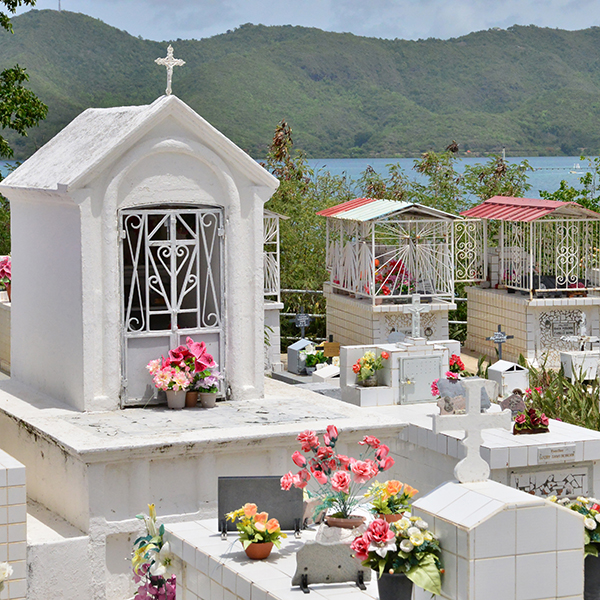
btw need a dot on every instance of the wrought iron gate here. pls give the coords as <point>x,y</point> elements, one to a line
<point>171,288</point>
<point>470,261</point>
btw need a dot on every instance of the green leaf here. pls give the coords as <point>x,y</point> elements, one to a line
<point>591,550</point>
<point>426,575</point>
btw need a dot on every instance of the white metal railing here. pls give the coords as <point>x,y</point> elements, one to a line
<point>271,257</point>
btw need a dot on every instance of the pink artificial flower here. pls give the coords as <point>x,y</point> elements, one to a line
<point>435,391</point>
<point>332,432</point>
<point>325,452</point>
<point>287,481</point>
<point>544,420</point>
<point>178,354</point>
<point>300,479</point>
<point>340,481</point>
<point>362,470</point>
<point>343,460</point>
<point>380,532</point>
<point>386,463</point>
<point>520,419</point>
<point>320,477</point>
<point>203,360</point>
<point>382,452</point>
<point>5,268</point>
<point>298,459</point>
<point>308,440</point>
<point>451,375</point>
<point>360,545</point>
<point>370,440</point>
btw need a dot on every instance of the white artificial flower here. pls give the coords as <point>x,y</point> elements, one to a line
<point>413,530</point>
<point>383,549</point>
<point>597,517</point>
<point>417,538</point>
<point>406,546</point>
<point>5,572</point>
<point>582,499</point>
<point>421,524</point>
<point>427,536</point>
<point>590,523</point>
<point>162,561</point>
<point>403,524</point>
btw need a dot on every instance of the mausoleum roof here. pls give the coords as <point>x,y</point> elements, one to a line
<point>98,135</point>
<point>505,208</point>
<point>369,209</point>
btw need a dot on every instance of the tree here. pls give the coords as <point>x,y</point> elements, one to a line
<point>20,109</point>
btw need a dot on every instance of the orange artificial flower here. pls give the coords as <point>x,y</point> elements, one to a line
<point>393,487</point>
<point>272,525</point>
<point>260,526</point>
<point>410,491</point>
<point>385,355</point>
<point>261,517</point>
<point>249,510</point>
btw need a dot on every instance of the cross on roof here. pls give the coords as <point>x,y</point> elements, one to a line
<point>170,62</point>
<point>499,338</point>
<point>472,467</point>
<point>416,308</point>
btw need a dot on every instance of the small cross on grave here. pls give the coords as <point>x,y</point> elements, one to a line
<point>416,308</point>
<point>302,320</point>
<point>499,338</point>
<point>472,467</point>
<point>169,62</point>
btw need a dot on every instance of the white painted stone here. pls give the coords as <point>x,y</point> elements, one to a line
<point>325,373</point>
<point>509,376</point>
<point>580,363</point>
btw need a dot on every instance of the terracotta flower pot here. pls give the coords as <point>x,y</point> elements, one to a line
<point>208,399</point>
<point>350,523</point>
<point>391,518</point>
<point>259,551</point>
<point>8,290</point>
<point>396,586</point>
<point>175,399</point>
<point>191,399</point>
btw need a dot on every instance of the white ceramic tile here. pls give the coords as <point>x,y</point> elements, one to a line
<point>517,456</point>
<point>188,553</point>
<point>16,476</point>
<point>216,591</point>
<point>17,513</point>
<point>446,533</point>
<point>591,450</point>
<point>422,437</point>
<point>16,495</point>
<point>229,595</point>
<point>229,579</point>
<point>569,573</point>
<point>201,561</point>
<point>258,593</point>
<point>536,576</point>
<point>465,580</point>
<point>496,536</point>
<point>465,543</point>
<point>17,551</point>
<point>449,580</point>
<point>499,458</point>
<point>495,578</point>
<point>441,497</point>
<point>242,587</point>
<point>16,532</point>
<point>215,570</point>
<point>442,444</point>
<point>485,512</point>
<point>452,447</point>
<point>413,434</point>
<point>536,529</point>
<point>532,455</point>
<point>191,580</point>
<point>569,530</point>
<point>203,586</point>
<point>463,507</point>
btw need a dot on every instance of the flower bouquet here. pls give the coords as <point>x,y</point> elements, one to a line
<point>5,572</point>
<point>366,367</point>
<point>258,533</point>
<point>341,479</point>
<point>391,499</point>
<point>6,274</point>
<point>404,547</point>
<point>532,420</point>
<point>590,509</point>
<point>152,560</point>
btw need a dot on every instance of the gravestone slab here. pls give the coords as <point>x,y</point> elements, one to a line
<point>516,404</point>
<point>266,493</point>
<point>328,563</point>
<point>325,373</point>
<point>454,389</point>
<point>295,359</point>
<point>452,406</point>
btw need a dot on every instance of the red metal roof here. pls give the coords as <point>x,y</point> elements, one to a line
<point>345,206</point>
<point>506,208</point>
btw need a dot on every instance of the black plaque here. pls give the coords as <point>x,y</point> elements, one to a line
<point>266,493</point>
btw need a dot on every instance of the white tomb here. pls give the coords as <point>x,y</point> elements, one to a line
<point>132,229</point>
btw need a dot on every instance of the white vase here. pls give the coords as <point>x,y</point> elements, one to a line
<point>208,399</point>
<point>176,399</point>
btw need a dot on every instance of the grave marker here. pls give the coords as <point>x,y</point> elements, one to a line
<point>499,338</point>
<point>169,62</point>
<point>302,321</point>
<point>415,309</point>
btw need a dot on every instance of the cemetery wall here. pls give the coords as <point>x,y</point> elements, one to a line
<point>4,333</point>
<point>13,525</point>
<point>538,325</point>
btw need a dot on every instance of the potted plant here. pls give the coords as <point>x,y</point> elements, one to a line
<point>5,572</point>
<point>367,367</point>
<point>340,480</point>
<point>152,560</point>
<point>258,533</point>
<point>6,275</point>
<point>390,500</point>
<point>176,373</point>
<point>590,509</point>
<point>402,553</point>
<point>533,420</point>
<point>207,385</point>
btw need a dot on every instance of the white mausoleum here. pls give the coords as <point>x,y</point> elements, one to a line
<point>134,228</point>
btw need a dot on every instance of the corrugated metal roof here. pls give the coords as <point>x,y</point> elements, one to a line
<point>506,208</point>
<point>367,209</point>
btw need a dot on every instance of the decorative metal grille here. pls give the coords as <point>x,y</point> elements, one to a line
<point>272,283</point>
<point>469,250</point>
<point>391,258</point>
<point>172,282</point>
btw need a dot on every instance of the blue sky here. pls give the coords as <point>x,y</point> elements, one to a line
<point>407,19</point>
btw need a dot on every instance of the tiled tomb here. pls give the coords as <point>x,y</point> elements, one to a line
<point>13,516</point>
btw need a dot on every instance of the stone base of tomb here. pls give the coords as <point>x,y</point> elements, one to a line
<point>353,321</point>
<point>94,472</point>
<point>538,325</point>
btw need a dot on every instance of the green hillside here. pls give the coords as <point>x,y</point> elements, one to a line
<point>533,90</point>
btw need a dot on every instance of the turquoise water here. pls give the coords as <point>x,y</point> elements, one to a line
<point>547,175</point>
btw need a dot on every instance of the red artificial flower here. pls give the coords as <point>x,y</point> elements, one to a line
<point>298,459</point>
<point>385,355</point>
<point>370,440</point>
<point>386,463</point>
<point>343,460</point>
<point>520,418</point>
<point>308,440</point>
<point>382,452</point>
<point>332,432</point>
<point>301,479</point>
<point>325,452</point>
<point>320,477</point>
<point>360,545</point>
<point>356,367</point>
<point>340,481</point>
<point>287,481</point>
<point>380,532</point>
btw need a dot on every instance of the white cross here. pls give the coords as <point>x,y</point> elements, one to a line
<point>170,62</point>
<point>416,308</point>
<point>472,467</point>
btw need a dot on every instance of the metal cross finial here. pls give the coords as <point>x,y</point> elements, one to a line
<point>169,62</point>
<point>499,338</point>
<point>416,308</point>
<point>472,467</point>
